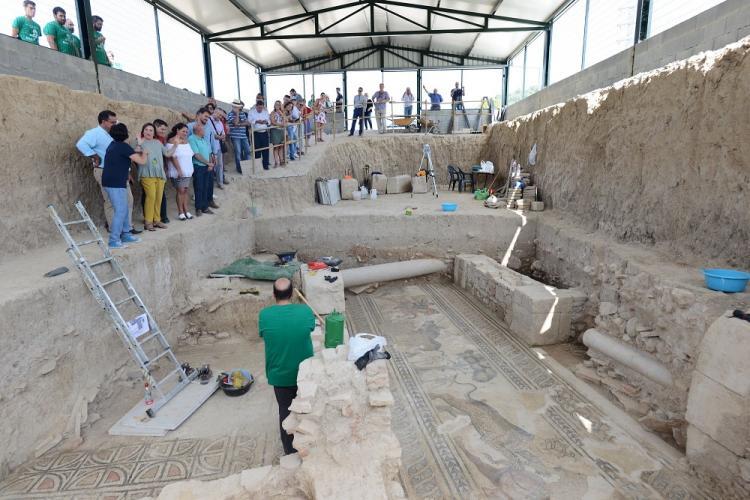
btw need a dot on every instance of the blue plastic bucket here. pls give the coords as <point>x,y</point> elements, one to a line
<point>726,280</point>
<point>449,207</point>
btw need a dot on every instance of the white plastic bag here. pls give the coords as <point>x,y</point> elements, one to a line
<point>487,167</point>
<point>532,155</point>
<point>363,342</point>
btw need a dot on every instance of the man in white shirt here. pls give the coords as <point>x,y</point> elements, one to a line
<point>381,98</point>
<point>360,101</point>
<point>259,119</point>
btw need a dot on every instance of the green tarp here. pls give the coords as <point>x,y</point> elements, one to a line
<point>256,270</point>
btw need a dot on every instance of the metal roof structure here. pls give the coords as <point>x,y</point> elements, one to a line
<point>331,35</point>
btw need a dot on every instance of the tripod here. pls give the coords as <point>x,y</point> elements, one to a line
<point>426,165</point>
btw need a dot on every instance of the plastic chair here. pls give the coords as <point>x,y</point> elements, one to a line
<point>454,178</point>
<point>466,178</point>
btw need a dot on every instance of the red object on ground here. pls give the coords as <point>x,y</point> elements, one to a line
<point>316,265</point>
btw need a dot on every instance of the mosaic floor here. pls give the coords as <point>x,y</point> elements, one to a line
<point>479,415</point>
<point>137,470</point>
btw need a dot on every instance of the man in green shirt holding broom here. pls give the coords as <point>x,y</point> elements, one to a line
<point>285,328</point>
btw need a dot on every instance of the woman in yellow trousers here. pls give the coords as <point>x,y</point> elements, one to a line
<point>152,176</point>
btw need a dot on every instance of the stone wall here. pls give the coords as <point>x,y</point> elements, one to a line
<point>378,238</point>
<point>640,297</point>
<point>538,314</point>
<point>718,444</point>
<point>341,421</point>
<point>710,30</point>
<point>659,159</point>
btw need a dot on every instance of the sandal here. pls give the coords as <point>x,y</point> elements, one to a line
<point>149,227</point>
<point>160,225</point>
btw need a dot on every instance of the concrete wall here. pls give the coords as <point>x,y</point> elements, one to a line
<point>124,86</point>
<point>710,30</point>
<point>40,63</point>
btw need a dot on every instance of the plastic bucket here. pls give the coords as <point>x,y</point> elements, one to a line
<point>726,280</point>
<point>449,207</point>
<point>334,329</point>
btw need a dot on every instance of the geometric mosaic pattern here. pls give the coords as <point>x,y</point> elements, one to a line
<point>136,470</point>
<point>479,415</point>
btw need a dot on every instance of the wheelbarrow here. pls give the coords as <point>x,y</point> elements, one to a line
<point>407,123</point>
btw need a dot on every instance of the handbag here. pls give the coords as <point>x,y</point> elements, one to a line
<point>222,142</point>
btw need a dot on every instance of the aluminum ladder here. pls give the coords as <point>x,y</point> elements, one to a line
<point>142,348</point>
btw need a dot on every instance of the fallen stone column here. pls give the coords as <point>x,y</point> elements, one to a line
<point>392,271</point>
<point>628,356</point>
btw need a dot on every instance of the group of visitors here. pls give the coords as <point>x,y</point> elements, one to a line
<point>363,106</point>
<point>60,33</point>
<point>187,151</point>
<point>278,130</point>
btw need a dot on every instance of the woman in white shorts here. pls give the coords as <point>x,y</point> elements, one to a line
<point>181,168</point>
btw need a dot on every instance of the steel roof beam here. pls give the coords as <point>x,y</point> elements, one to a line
<point>482,18</point>
<point>237,5</point>
<point>377,34</point>
<point>316,61</point>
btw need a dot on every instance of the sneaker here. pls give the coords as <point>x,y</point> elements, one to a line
<point>198,213</point>
<point>117,244</point>
<point>207,211</point>
<point>136,231</point>
<point>188,215</point>
<point>165,220</point>
<point>182,217</point>
<point>129,238</point>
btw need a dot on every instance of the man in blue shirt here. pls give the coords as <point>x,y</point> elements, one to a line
<point>203,165</point>
<point>238,123</point>
<point>435,98</point>
<point>94,144</point>
<point>202,117</point>
<point>359,110</point>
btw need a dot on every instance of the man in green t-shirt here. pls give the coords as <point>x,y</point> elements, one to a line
<point>24,28</point>
<point>285,328</point>
<point>100,55</point>
<point>73,41</point>
<point>58,36</point>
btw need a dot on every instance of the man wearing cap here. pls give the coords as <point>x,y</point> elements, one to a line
<point>359,109</point>
<point>259,119</point>
<point>285,329</point>
<point>238,123</point>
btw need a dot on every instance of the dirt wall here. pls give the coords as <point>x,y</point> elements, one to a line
<point>41,123</point>
<point>660,159</point>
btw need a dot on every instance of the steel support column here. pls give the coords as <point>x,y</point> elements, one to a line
<point>545,66</point>
<point>85,25</point>
<point>207,67</point>
<point>641,20</point>
<point>419,92</point>
<point>262,85</point>
<point>237,73</point>
<point>505,85</point>
<point>158,44</point>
